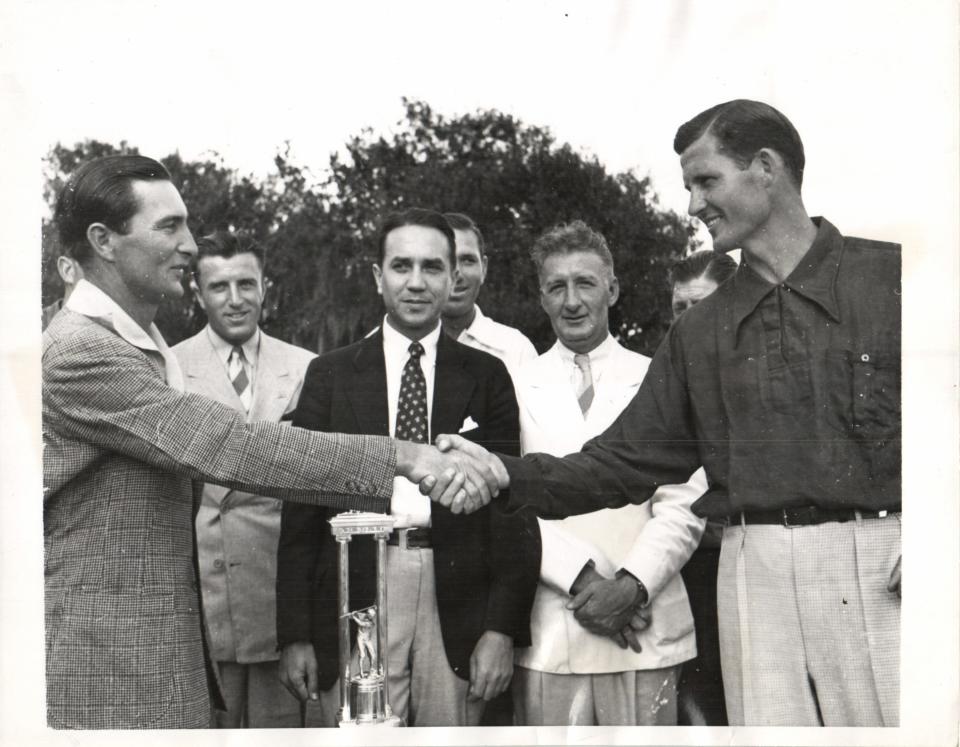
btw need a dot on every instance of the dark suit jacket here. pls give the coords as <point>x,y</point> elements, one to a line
<point>486,564</point>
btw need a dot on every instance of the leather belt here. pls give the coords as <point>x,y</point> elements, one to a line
<point>412,537</point>
<point>804,516</point>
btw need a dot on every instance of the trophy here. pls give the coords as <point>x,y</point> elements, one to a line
<point>364,699</point>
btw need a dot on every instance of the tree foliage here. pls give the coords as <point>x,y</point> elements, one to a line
<point>513,179</point>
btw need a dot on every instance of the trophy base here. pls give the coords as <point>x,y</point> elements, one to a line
<point>368,705</point>
<point>388,722</point>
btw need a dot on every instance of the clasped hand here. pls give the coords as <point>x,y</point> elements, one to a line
<point>456,473</point>
<point>608,607</point>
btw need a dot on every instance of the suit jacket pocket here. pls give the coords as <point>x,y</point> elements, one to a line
<point>110,663</point>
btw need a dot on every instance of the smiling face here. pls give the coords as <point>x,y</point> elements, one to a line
<point>471,272</point>
<point>414,279</point>
<point>152,257</point>
<point>731,201</point>
<point>230,290</point>
<point>577,291</point>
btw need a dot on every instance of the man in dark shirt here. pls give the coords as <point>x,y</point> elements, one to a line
<point>785,386</point>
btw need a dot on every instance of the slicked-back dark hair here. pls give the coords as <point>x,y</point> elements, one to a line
<point>462,222</point>
<point>227,244</point>
<point>707,263</point>
<point>417,217</point>
<point>100,192</point>
<point>742,127</point>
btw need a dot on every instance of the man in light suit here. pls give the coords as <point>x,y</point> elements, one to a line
<point>123,443</point>
<point>232,361</point>
<point>459,588</point>
<point>594,603</point>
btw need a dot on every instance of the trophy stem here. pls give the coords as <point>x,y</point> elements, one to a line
<point>363,694</point>
<point>344,626</point>
<point>382,627</point>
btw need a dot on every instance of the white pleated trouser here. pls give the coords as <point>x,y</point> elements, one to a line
<point>809,634</point>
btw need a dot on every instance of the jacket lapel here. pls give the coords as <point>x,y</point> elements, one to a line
<point>367,390</point>
<point>207,373</point>
<point>452,389</point>
<point>273,386</point>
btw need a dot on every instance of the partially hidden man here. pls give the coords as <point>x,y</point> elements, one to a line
<point>234,362</point>
<point>459,589</point>
<point>123,444</point>
<point>785,385</point>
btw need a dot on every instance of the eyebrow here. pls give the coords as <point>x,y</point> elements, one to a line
<point>176,219</point>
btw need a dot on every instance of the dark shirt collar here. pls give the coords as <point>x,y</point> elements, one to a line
<point>814,278</point>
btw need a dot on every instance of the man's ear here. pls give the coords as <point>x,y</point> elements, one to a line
<point>614,290</point>
<point>196,292</point>
<point>100,238</point>
<point>770,164</point>
<point>378,278</point>
<point>483,264</point>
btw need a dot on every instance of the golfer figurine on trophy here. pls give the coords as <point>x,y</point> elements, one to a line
<point>364,699</point>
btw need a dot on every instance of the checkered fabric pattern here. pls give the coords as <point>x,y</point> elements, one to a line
<point>412,402</point>
<point>808,630</point>
<point>123,629</point>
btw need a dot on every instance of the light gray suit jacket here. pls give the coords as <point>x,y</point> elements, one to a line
<point>124,643</point>
<point>238,532</point>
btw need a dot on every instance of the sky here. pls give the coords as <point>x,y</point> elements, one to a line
<point>872,87</point>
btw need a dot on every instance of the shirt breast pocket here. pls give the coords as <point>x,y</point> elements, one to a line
<point>864,393</point>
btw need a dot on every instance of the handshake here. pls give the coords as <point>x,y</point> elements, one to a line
<point>455,473</point>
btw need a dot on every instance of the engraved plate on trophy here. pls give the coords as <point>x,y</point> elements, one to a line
<point>364,698</point>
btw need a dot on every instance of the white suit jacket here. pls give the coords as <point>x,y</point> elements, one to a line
<point>237,532</point>
<point>652,540</point>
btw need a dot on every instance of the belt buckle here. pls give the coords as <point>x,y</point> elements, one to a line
<point>402,538</point>
<point>786,520</point>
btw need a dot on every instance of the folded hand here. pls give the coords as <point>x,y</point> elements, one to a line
<point>608,607</point>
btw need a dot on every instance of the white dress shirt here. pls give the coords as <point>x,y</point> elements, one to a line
<point>89,300</point>
<point>506,343</point>
<point>251,354</point>
<point>408,507</point>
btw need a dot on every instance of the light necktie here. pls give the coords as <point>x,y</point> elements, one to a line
<point>585,386</point>
<point>412,403</point>
<point>237,371</point>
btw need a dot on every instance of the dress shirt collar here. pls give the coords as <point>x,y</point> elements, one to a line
<point>814,277</point>
<point>91,301</point>
<point>482,329</point>
<point>251,348</point>
<point>396,346</point>
<point>598,356</point>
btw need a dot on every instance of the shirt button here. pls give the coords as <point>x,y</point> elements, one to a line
<point>218,563</point>
<point>865,358</point>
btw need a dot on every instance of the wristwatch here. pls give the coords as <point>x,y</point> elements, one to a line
<point>643,597</point>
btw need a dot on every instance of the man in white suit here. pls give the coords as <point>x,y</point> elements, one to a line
<point>610,626</point>
<point>233,361</point>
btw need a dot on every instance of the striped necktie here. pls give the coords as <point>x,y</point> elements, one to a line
<point>412,402</point>
<point>585,387</point>
<point>237,371</point>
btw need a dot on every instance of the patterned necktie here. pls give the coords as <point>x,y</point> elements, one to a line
<point>412,404</point>
<point>237,372</point>
<point>585,387</point>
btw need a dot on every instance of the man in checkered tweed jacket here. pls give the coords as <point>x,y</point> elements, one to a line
<point>123,444</point>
